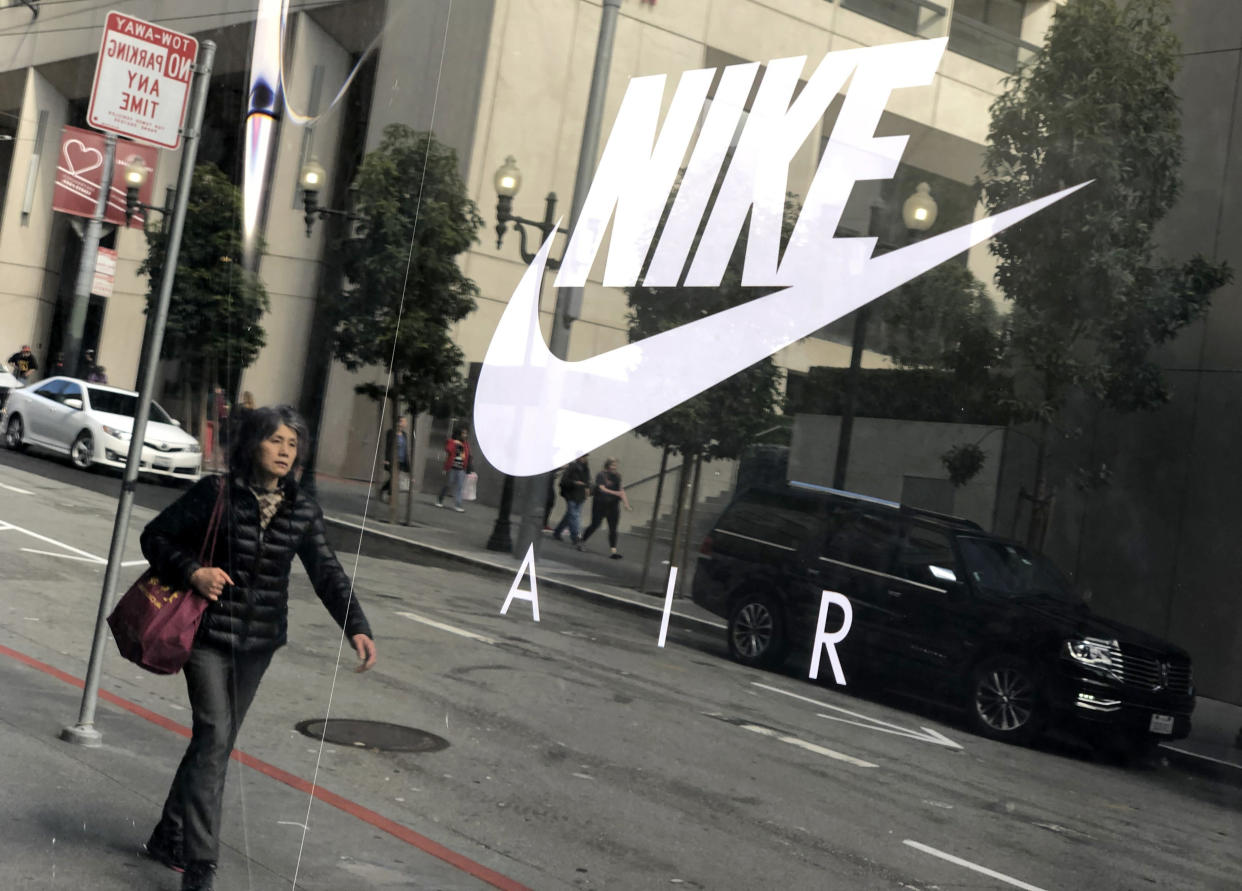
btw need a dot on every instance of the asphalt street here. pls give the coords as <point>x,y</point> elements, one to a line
<point>579,754</point>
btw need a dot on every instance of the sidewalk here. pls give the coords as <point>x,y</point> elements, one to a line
<point>1211,749</point>
<point>75,817</point>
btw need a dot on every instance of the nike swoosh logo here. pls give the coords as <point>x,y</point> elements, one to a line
<point>535,412</point>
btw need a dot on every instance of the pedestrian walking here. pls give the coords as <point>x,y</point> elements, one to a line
<point>456,466</point>
<point>549,500</point>
<point>268,520</point>
<point>575,485</point>
<point>403,456</point>
<point>23,363</point>
<point>606,500</point>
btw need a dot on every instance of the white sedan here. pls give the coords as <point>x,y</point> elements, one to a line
<point>92,424</point>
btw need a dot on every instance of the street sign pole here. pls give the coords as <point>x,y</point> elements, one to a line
<point>84,732</point>
<point>71,341</point>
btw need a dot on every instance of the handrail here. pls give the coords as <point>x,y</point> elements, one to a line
<point>651,477</point>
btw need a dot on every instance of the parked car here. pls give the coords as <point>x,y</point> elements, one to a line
<point>942,608</point>
<point>92,423</point>
<point>7,383</point>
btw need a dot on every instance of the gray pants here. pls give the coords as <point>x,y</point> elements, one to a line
<point>221,684</point>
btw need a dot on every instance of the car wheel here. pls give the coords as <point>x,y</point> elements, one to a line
<point>13,434</point>
<point>1006,700</point>
<point>82,452</point>
<point>757,632</point>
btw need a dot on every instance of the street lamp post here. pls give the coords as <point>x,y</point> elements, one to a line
<point>918,213</point>
<point>508,180</point>
<point>136,173</point>
<point>311,180</point>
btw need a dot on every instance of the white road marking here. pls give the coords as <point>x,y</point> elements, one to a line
<point>15,489</point>
<point>451,629</point>
<point>134,563</point>
<point>926,734</point>
<point>52,541</point>
<point>991,873</point>
<point>809,746</point>
<point>94,560</point>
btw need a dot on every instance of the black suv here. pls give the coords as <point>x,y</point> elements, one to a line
<point>940,607</point>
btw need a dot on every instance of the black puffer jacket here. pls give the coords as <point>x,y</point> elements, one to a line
<point>253,614</point>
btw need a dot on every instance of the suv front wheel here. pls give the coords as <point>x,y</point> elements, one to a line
<point>1007,701</point>
<point>757,632</point>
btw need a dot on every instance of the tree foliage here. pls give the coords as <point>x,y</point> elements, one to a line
<point>405,288</point>
<point>722,421</point>
<point>944,320</point>
<point>216,305</point>
<point>1090,297</point>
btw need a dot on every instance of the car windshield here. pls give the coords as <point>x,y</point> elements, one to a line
<point>126,404</point>
<point>1010,570</point>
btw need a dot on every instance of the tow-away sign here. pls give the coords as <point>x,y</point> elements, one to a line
<point>142,81</point>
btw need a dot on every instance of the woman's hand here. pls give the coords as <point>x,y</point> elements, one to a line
<point>209,581</point>
<point>365,648</point>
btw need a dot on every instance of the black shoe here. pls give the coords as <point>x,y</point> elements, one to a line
<point>165,851</point>
<point>200,875</point>
<point>614,556</point>
<point>557,536</point>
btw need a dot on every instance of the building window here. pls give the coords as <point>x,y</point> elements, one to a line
<point>990,31</point>
<point>922,18</point>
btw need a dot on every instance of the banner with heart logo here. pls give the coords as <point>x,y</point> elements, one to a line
<point>79,172</point>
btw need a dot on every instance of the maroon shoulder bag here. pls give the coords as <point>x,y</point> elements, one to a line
<point>154,625</point>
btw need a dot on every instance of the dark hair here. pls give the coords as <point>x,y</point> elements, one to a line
<point>459,430</point>
<point>258,424</point>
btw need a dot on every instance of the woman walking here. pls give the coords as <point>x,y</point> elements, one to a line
<point>456,466</point>
<point>606,504</point>
<point>268,520</point>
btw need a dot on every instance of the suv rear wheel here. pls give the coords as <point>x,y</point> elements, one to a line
<point>757,632</point>
<point>1006,700</point>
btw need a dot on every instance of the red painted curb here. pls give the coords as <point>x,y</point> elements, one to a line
<point>405,834</point>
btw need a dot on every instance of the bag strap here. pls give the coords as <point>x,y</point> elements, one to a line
<point>208,549</point>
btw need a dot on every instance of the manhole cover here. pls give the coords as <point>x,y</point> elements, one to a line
<point>372,735</point>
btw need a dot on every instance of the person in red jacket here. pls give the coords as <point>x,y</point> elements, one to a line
<point>456,466</point>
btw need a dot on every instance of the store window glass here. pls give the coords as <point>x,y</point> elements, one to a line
<point>613,381</point>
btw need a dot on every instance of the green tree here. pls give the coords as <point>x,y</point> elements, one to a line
<point>722,421</point>
<point>1090,298</point>
<point>216,306</point>
<point>405,288</point>
<point>943,320</point>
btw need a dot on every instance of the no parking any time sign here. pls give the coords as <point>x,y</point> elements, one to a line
<point>142,81</point>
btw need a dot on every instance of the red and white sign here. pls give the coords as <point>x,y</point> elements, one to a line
<point>142,81</point>
<point>105,272</point>
<point>79,171</point>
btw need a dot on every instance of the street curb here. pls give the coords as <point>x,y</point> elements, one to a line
<point>390,542</point>
<point>1205,765</point>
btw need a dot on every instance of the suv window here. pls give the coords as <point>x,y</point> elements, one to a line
<point>773,518</point>
<point>1010,570</point>
<point>927,557</point>
<point>864,540</point>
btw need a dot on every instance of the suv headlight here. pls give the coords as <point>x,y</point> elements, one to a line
<point>122,435</point>
<point>1099,653</point>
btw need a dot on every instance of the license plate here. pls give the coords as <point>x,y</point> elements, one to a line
<point>164,465</point>
<point>1161,724</point>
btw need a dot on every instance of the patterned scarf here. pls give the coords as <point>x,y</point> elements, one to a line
<point>269,503</point>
